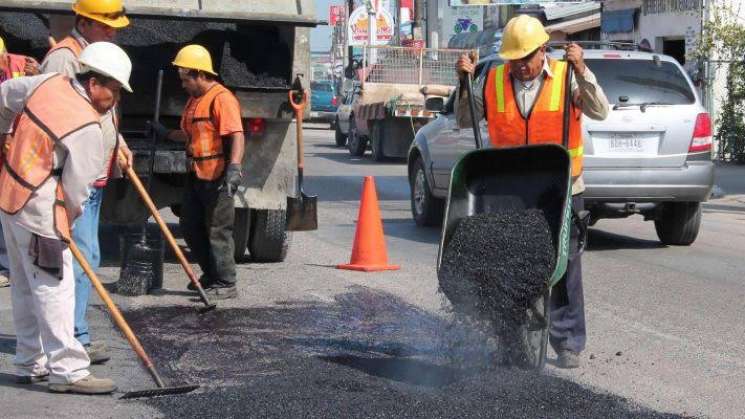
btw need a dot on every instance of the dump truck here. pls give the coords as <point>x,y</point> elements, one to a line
<point>396,83</point>
<point>260,49</point>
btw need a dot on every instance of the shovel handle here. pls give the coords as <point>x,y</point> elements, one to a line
<point>299,107</point>
<point>164,228</point>
<point>113,309</point>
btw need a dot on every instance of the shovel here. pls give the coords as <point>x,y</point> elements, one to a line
<point>302,210</point>
<point>162,390</point>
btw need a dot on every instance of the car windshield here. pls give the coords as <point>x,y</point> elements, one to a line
<point>637,82</point>
<point>320,87</point>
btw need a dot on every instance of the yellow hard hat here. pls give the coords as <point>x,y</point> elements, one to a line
<point>522,35</point>
<point>195,57</point>
<point>108,12</point>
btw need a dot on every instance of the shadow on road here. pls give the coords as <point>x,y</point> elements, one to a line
<point>404,370</point>
<point>407,229</point>
<point>599,240</point>
<point>347,158</point>
<point>9,380</point>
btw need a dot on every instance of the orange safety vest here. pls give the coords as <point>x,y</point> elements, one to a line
<point>16,66</point>
<point>71,43</point>
<point>54,111</point>
<point>205,146</point>
<point>544,124</point>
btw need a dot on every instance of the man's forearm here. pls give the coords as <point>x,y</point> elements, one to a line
<point>462,111</point>
<point>237,148</point>
<point>593,101</point>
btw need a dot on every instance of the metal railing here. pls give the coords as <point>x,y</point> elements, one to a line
<point>402,65</point>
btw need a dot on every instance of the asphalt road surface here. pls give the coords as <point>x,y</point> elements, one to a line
<point>665,339</point>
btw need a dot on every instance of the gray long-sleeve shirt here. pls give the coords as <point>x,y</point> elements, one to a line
<point>80,155</point>
<point>64,61</point>
<point>587,93</point>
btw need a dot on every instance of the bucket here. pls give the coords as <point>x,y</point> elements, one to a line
<point>142,264</point>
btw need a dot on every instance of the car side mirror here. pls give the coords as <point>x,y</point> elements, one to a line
<point>434,104</point>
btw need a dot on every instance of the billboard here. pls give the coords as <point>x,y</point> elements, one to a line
<point>358,26</point>
<point>505,2</point>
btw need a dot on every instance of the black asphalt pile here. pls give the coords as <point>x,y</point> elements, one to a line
<point>496,265</point>
<point>367,354</point>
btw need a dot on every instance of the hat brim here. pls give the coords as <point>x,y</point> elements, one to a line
<point>194,68</point>
<point>118,23</point>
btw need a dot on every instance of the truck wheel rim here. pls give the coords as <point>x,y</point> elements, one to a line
<point>419,191</point>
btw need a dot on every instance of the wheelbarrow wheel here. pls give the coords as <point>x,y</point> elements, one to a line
<point>527,347</point>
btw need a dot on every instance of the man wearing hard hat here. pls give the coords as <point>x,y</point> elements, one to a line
<point>212,128</point>
<point>522,101</point>
<point>56,152</point>
<point>12,66</point>
<point>95,21</point>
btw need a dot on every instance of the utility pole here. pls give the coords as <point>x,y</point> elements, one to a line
<point>419,10</point>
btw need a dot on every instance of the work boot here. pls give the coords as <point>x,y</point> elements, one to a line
<point>97,352</point>
<point>567,359</point>
<point>87,385</point>
<point>32,379</point>
<point>4,281</point>
<point>203,281</point>
<point>221,293</point>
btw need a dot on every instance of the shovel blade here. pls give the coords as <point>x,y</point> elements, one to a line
<point>302,213</point>
<point>157,392</point>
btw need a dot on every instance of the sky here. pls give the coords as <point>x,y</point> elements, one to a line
<point>320,37</point>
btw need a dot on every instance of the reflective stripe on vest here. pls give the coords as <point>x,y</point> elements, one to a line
<point>53,111</point>
<point>205,147</point>
<point>544,124</point>
<point>17,64</point>
<point>71,43</point>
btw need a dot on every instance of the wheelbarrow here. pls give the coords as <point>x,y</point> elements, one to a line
<point>530,177</point>
<point>492,180</point>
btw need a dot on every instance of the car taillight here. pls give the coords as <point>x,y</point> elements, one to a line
<point>701,134</point>
<point>334,101</point>
<point>256,126</point>
<point>611,55</point>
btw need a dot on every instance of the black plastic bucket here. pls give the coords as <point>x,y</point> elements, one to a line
<point>142,263</point>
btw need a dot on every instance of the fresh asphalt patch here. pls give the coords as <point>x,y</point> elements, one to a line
<point>367,354</point>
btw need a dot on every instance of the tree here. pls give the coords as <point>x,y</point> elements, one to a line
<point>723,43</point>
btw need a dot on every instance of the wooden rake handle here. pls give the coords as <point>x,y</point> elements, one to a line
<point>113,309</point>
<point>158,219</point>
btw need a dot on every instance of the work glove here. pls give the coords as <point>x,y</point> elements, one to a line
<point>158,129</point>
<point>232,180</point>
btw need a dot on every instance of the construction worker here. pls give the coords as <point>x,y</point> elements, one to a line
<point>12,66</point>
<point>95,21</point>
<point>212,128</point>
<point>56,151</point>
<point>522,101</point>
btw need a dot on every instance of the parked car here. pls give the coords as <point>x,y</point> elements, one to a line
<point>344,119</point>
<point>323,101</point>
<point>651,156</point>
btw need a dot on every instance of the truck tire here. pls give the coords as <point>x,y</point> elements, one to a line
<point>355,142</point>
<point>376,141</point>
<point>269,240</point>
<point>678,223</point>
<point>426,209</point>
<point>241,233</point>
<point>340,137</point>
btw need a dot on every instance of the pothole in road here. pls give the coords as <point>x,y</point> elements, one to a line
<point>367,354</point>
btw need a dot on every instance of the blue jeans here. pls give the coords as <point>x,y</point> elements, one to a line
<point>85,235</point>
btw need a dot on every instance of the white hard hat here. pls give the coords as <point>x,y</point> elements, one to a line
<point>109,60</point>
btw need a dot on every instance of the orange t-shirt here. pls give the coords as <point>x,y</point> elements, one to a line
<point>226,113</point>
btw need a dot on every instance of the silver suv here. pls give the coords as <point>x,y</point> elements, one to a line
<point>651,156</point>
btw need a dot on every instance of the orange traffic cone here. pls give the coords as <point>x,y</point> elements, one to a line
<point>368,253</point>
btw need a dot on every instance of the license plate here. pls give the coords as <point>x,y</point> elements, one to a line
<point>315,114</point>
<point>626,144</point>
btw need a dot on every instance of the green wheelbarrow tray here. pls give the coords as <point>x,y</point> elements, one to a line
<point>535,176</point>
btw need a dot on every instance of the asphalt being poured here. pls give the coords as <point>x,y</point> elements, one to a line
<point>366,354</point>
<point>496,265</point>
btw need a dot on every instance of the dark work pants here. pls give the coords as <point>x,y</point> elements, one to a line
<point>567,300</point>
<point>207,215</point>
